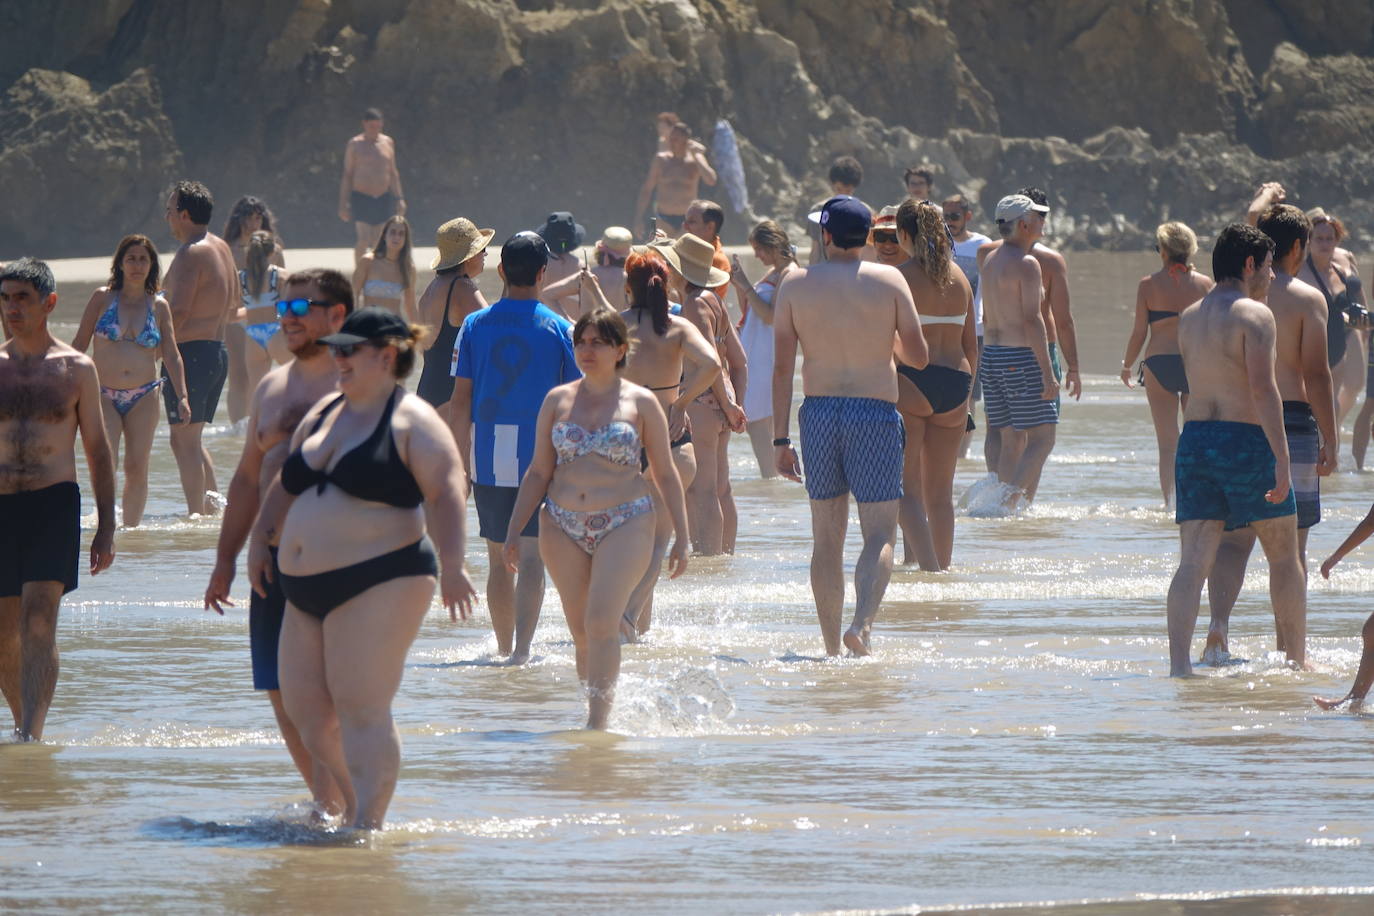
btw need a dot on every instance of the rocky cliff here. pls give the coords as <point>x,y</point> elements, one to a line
<point>1128,111</point>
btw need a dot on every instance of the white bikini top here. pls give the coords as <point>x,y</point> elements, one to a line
<point>943,319</point>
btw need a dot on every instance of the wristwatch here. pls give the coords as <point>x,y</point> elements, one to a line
<point>781,441</point>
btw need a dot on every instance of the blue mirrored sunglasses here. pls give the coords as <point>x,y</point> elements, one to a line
<point>298,307</point>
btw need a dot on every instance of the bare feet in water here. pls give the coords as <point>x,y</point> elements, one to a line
<point>856,643</point>
<point>1327,703</point>
<point>1215,652</point>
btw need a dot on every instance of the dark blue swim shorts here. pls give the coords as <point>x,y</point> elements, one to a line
<point>851,445</point>
<point>1222,472</point>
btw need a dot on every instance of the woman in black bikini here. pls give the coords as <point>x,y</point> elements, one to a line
<point>355,563</point>
<point>1331,269</point>
<point>1159,298</point>
<point>934,400</point>
<point>450,297</point>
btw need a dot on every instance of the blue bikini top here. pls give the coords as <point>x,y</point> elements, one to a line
<point>108,325</point>
<point>617,441</point>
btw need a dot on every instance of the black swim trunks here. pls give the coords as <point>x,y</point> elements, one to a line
<point>371,210</point>
<point>40,537</point>
<point>494,506</point>
<point>206,363</point>
<point>264,629</point>
<point>671,220</point>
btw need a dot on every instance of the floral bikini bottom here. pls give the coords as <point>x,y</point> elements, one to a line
<point>586,529</point>
<point>124,399</point>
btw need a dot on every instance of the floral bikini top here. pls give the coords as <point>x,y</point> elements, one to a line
<point>616,441</point>
<point>108,325</point>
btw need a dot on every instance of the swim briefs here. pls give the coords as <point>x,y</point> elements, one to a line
<point>371,210</point>
<point>851,445</point>
<point>264,629</point>
<point>1222,471</point>
<point>40,537</point>
<point>206,363</point>
<point>671,220</point>
<point>1304,446</point>
<point>1012,387</point>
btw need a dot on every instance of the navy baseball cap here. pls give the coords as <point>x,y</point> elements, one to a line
<point>525,249</point>
<point>845,217</point>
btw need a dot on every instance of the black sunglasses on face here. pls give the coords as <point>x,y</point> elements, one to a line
<point>881,237</point>
<point>347,350</point>
<point>299,307</point>
<point>952,217</point>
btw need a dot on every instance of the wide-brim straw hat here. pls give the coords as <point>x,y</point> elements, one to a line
<point>458,240</point>
<point>690,256</point>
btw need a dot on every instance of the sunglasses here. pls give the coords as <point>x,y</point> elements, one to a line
<point>953,217</point>
<point>299,307</point>
<point>347,350</point>
<point>884,237</point>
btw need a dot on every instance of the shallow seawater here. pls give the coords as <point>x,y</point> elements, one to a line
<point>1015,738</point>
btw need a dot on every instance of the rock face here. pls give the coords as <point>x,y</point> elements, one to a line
<point>1126,111</point>
<point>82,168</point>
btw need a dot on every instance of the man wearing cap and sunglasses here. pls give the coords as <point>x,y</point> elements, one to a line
<point>507,359</point>
<point>316,304</point>
<point>845,313</point>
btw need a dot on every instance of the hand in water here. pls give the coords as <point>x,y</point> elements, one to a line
<point>457,593</point>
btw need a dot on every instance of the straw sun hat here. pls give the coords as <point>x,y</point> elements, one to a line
<point>691,256</point>
<point>459,239</point>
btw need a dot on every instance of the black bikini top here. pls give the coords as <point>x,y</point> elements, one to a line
<point>1153,315</point>
<point>372,470</point>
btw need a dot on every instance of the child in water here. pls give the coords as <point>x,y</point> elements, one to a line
<point>1365,675</point>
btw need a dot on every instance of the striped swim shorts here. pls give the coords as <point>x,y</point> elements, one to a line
<point>1304,446</point>
<point>1012,387</point>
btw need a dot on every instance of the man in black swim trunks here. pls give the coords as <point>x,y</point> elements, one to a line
<point>370,190</point>
<point>315,303</point>
<point>48,392</point>
<point>203,290</point>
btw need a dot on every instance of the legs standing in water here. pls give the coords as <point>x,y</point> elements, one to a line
<point>1198,540</point>
<point>1348,375</point>
<point>1228,576</point>
<point>705,518</point>
<point>872,571</point>
<point>761,439</point>
<point>1023,453</point>
<point>240,384</point>
<point>206,364</point>
<point>28,655</point>
<point>193,461</point>
<point>1164,411</point>
<point>137,428</point>
<point>941,438</point>
<point>515,601</point>
<point>918,542</point>
<point>729,515</point>
<point>594,589</point>
<point>639,613</point>
<point>338,678</point>
<point>1363,677</point>
<point>1359,443</point>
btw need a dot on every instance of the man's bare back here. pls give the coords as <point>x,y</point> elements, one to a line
<point>1223,337</point>
<point>846,315</point>
<point>1011,282</point>
<point>1300,318</point>
<point>202,289</point>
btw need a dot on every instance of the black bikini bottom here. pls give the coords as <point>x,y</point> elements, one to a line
<point>320,593</point>
<point>944,388</point>
<point>1167,368</point>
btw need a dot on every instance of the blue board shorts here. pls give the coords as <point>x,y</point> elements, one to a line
<point>1222,471</point>
<point>851,445</point>
<point>265,616</point>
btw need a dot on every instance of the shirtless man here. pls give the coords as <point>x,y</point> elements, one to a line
<point>1309,417</point>
<point>282,398</point>
<point>673,181</point>
<point>370,191</point>
<point>203,291</point>
<point>48,391</point>
<point>1232,464</point>
<point>1020,391</point>
<point>1059,326</point>
<point>845,313</point>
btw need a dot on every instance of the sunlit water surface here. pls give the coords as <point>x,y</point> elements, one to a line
<point>1015,737</point>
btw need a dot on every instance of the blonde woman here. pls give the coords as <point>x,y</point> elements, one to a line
<point>1159,299</point>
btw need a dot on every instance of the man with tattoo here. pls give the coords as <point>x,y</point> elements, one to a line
<point>48,391</point>
<point>314,305</point>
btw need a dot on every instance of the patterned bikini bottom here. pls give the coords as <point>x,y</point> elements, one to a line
<point>586,529</point>
<point>124,399</point>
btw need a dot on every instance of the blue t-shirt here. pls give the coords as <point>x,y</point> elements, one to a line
<point>514,351</point>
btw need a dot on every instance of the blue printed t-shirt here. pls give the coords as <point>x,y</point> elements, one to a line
<point>514,351</point>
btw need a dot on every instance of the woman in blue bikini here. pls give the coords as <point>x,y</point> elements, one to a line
<point>260,285</point>
<point>132,326</point>
<point>1159,298</point>
<point>597,531</point>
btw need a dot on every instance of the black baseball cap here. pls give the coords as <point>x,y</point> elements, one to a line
<point>366,324</point>
<point>525,249</point>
